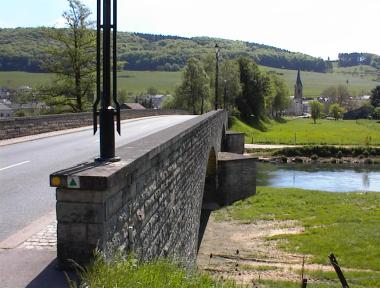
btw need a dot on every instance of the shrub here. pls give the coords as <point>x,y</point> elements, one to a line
<point>314,157</point>
<point>339,154</point>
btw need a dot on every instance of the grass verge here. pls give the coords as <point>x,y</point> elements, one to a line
<point>128,272</point>
<point>344,223</point>
<point>299,131</point>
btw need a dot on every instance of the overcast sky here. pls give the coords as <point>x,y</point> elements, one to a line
<point>321,28</point>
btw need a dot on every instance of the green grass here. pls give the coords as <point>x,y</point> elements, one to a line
<point>354,279</point>
<point>16,79</point>
<point>347,224</point>
<point>140,81</point>
<point>132,81</point>
<point>127,272</point>
<point>314,83</point>
<point>303,131</point>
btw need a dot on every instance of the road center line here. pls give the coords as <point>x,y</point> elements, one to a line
<point>14,165</point>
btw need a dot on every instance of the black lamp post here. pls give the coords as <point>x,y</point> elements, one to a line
<point>217,54</point>
<point>225,95</point>
<point>103,86</point>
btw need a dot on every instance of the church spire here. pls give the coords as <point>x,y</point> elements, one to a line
<point>299,82</point>
<point>298,87</point>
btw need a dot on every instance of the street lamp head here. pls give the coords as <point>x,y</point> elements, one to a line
<point>217,48</point>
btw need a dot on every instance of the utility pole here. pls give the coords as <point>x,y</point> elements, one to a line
<point>217,54</point>
<point>104,86</point>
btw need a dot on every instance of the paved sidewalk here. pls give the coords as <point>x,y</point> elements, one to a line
<point>28,258</point>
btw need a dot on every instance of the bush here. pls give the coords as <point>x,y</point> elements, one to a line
<point>368,161</point>
<point>314,157</point>
<point>328,151</point>
<point>20,113</point>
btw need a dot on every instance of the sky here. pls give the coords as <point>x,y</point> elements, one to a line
<point>321,28</point>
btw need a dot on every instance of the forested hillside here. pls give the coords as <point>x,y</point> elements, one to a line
<point>354,59</point>
<point>22,49</point>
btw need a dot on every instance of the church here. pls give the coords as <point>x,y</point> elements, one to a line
<point>296,105</point>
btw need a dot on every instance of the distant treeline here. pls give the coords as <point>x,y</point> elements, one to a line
<point>21,49</point>
<point>354,59</point>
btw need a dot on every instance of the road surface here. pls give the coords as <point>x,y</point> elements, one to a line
<point>25,194</point>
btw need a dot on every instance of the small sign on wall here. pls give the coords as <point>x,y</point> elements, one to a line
<point>73,182</point>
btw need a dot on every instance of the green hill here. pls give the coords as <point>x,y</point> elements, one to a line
<point>21,49</point>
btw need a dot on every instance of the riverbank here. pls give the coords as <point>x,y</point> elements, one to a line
<point>300,131</point>
<point>264,238</point>
<point>314,154</point>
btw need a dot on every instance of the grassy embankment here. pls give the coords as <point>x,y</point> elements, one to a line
<point>139,81</point>
<point>303,131</point>
<point>346,224</point>
<point>127,272</point>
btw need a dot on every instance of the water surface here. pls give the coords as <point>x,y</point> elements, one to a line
<point>324,177</point>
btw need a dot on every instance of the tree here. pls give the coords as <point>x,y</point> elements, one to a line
<point>336,111</point>
<point>255,86</point>
<point>316,110</point>
<point>376,113</point>
<point>230,82</point>
<point>72,57</point>
<point>337,94</point>
<point>375,96</point>
<point>193,94</point>
<point>281,95</point>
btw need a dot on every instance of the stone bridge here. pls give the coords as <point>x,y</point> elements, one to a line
<point>155,201</point>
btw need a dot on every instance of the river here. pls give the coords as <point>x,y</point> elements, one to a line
<point>324,177</point>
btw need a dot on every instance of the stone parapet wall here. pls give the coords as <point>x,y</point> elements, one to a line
<point>150,202</point>
<point>25,126</point>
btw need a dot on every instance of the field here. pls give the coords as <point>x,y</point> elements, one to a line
<point>315,83</point>
<point>136,82</point>
<point>302,131</point>
<point>314,224</point>
<point>132,81</point>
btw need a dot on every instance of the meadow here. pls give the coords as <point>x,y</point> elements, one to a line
<point>302,131</point>
<point>346,224</point>
<point>136,82</point>
<point>314,83</point>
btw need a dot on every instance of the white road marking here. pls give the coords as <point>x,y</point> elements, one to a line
<point>11,166</point>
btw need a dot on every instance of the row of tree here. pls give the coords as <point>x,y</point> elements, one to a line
<point>242,86</point>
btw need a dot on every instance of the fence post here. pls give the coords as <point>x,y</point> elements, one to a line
<point>338,271</point>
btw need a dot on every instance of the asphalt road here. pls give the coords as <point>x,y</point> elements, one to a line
<point>25,194</point>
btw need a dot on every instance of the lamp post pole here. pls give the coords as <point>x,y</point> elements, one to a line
<point>225,95</point>
<point>217,52</point>
<point>104,86</point>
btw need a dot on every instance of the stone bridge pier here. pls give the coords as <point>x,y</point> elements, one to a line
<point>157,199</point>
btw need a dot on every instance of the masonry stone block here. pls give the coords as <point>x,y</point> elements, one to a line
<point>237,177</point>
<point>234,142</point>
<point>68,212</point>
